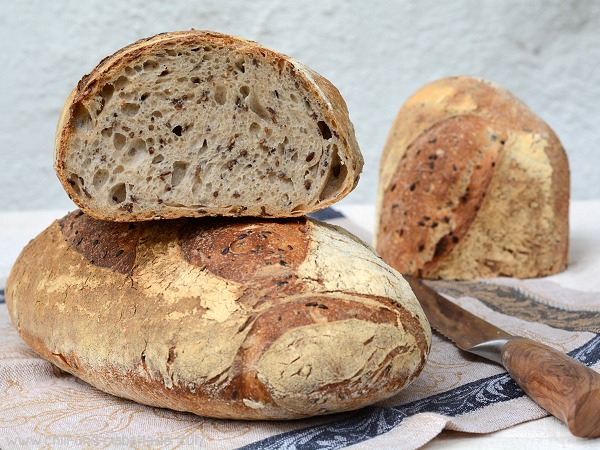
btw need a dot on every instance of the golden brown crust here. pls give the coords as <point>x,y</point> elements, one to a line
<point>180,329</point>
<point>269,251</point>
<point>494,199</point>
<point>322,91</point>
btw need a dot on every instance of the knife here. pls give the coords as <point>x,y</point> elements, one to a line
<point>564,387</point>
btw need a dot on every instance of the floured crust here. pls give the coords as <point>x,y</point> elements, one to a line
<point>285,336</point>
<point>472,184</point>
<point>334,179</point>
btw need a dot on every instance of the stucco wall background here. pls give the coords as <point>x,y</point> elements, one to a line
<point>547,52</point>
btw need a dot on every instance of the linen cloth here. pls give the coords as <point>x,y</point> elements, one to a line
<point>43,407</point>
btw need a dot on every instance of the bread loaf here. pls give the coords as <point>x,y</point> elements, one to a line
<point>190,124</point>
<point>472,184</point>
<point>231,318</point>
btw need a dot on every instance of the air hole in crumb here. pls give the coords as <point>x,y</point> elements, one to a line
<point>81,117</point>
<point>335,170</point>
<point>257,108</point>
<point>293,98</point>
<point>324,129</point>
<point>137,147</point>
<point>337,175</point>
<point>150,65</point>
<point>239,65</point>
<point>121,82</point>
<point>118,193</point>
<point>100,178</point>
<point>157,114</point>
<point>119,141</point>
<point>144,96</point>
<point>130,109</point>
<point>73,180</point>
<point>245,91</point>
<point>118,169</point>
<point>107,92</point>
<point>157,159</point>
<point>221,94</point>
<point>254,127</point>
<point>178,173</point>
<point>300,208</point>
<point>177,130</point>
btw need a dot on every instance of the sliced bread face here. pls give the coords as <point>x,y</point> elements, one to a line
<point>194,123</point>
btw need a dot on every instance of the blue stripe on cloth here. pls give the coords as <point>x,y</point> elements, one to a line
<point>326,214</point>
<point>373,421</point>
<point>2,298</point>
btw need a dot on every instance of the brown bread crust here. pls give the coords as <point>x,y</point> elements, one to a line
<point>179,328</point>
<point>472,184</point>
<point>104,244</point>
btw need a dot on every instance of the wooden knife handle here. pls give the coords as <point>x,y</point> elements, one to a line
<point>561,385</point>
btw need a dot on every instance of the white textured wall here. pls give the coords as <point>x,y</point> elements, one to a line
<point>376,52</point>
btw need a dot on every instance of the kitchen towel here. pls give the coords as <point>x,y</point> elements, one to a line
<point>43,407</point>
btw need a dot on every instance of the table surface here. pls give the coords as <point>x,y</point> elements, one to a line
<point>17,228</point>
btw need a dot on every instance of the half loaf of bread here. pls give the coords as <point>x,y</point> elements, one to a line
<point>230,318</point>
<point>190,124</point>
<point>472,184</point>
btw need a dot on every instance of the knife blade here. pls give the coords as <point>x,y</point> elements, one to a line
<point>564,387</point>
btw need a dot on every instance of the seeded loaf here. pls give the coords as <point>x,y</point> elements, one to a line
<point>223,317</point>
<point>190,124</point>
<point>472,185</point>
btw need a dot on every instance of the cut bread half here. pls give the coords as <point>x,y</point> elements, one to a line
<point>194,123</point>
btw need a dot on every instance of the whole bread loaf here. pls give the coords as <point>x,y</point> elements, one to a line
<point>191,124</point>
<point>472,184</point>
<point>230,317</point>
